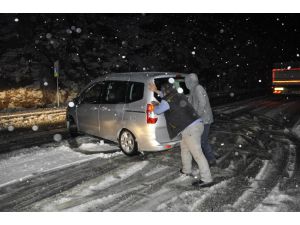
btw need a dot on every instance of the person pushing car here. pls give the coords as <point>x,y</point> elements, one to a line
<point>182,119</point>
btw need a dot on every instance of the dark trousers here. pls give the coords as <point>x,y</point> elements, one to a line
<point>206,148</point>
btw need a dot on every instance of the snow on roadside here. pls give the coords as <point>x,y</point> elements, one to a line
<point>96,147</point>
<point>41,159</point>
<point>296,129</point>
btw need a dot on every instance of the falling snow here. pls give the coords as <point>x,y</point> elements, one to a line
<point>57,137</point>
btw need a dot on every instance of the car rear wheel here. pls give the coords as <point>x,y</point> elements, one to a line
<point>72,127</point>
<point>128,143</point>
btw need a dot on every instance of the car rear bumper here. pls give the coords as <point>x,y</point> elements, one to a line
<point>155,146</point>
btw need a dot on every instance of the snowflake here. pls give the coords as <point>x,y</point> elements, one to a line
<point>73,27</point>
<point>78,30</point>
<point>259,81</point>
<point>193,52</point>
<point>289,67</point>
<point>71,104</point>
<point>35,127</point>
<point>221,31</point>
<point>144,68</point>
<point>57,137</point>
<point>218,75</point>
<point>171,80</point>
<point>45,83</point>
<point>48,35</point>
<point>180,90</point>
<point>123,56</point>
<point>11,128</point>
<point>16,20</point>
<point>298,55</point>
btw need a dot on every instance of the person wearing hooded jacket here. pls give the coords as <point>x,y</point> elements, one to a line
<point>200,101</point>
<point>182,119</point>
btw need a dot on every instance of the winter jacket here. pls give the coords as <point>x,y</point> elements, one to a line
<point>199,98</point>
<point>180,115</point>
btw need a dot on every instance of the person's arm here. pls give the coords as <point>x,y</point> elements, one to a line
<point>200,96</point>
<point>162,107</point>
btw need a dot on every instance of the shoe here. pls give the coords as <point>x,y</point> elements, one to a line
<point>212,163</point>
<point>185,174</point>
<point>202,184</point>
<point>217,156</point>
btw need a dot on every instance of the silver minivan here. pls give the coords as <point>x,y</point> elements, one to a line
<point>117,107</point>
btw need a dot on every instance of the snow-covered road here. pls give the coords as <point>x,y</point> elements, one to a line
<point>258,170</point>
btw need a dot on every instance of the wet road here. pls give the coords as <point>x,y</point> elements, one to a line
<point>258,170</point>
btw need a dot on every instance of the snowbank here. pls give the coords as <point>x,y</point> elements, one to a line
<point>296,129</point>
<point>27,97</point>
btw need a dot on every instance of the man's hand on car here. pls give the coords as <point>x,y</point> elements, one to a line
<point>155,103</point>
<point>152,87</point>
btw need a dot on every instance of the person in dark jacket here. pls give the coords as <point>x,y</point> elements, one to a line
<point>182,119</point>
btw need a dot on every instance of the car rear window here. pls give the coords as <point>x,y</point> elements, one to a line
<point>135,91</point>
<point>179,82</point>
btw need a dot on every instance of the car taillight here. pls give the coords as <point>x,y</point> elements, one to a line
<point>151,118</point>
<point>277,92</point>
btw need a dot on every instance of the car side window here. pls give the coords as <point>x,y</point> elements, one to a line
<point>93,94</point>
<point>135,92</point>
<point>114,92</point>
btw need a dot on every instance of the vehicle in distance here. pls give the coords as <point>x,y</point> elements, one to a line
<point>286,79</point>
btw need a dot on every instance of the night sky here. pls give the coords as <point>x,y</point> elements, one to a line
<point>236,51</point>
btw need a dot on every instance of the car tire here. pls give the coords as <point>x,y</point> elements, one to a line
<point>72,127</point>
<point>127,143</point>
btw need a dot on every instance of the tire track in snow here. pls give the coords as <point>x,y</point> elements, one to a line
<point>94,191</point>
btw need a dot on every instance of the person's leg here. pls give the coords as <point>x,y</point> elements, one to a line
<point>194,146</point>
<point>186,157</point>
<point>206,147</point>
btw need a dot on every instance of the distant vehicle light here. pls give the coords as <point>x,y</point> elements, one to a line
<point>168,146</point>
<point>278,88</point>
<point>277,92</point>
<point>286,81</point>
